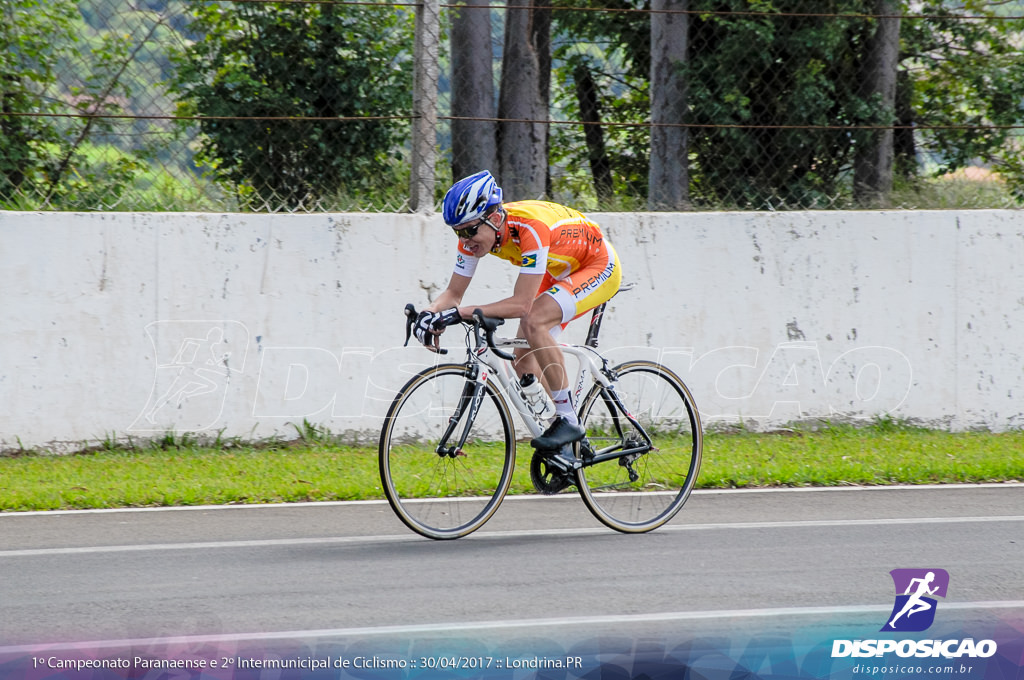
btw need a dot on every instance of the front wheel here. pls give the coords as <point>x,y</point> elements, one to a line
<point>649,453</point>
<point>450,493</point>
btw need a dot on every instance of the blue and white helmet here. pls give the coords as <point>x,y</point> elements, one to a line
<point>470,198</point>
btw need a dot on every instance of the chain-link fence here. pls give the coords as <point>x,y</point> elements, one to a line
<point>315,105</point>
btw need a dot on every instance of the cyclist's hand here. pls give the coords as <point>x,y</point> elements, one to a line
<point>430,325</point>
<point>424,330</point>
<point>446,318</point>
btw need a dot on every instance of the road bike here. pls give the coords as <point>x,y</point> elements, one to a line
<point>448,443</point>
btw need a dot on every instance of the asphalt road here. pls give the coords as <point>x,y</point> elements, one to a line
<point>540,563</point>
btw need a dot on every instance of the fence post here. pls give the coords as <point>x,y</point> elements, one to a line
<point>426,70</point>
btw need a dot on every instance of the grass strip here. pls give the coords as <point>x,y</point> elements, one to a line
<point>185,472</point>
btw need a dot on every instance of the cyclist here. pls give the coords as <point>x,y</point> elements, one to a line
<point>567,267</point>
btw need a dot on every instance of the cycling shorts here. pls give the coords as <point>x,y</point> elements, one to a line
<point>586,287</point>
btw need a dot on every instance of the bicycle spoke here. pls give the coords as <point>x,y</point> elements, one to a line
<point>640,491</point>
<point>445,495</point>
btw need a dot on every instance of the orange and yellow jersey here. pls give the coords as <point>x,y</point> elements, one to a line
<point>543,237</point>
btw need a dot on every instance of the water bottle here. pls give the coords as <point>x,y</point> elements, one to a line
<point>536,397</point>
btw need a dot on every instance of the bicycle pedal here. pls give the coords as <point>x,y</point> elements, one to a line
<point>562,458</point>
<point>549,478</point>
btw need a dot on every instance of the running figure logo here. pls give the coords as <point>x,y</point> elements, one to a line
<point>195,364</point>
<point>914,610</point>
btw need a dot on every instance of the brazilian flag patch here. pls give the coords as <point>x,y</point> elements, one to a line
<point>529,260</point>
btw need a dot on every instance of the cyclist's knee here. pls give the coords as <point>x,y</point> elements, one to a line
<point>545,315</point>
<point>531,329</point>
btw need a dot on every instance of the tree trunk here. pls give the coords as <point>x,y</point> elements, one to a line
<point>904,146</point>
<point>474,142</point>
<point>668,174</point>
<point>590,114</point>
<point>523,102</point>
<point>873,161</point>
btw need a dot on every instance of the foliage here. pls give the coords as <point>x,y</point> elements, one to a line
<point>964,76</point>
<point>753,80</point>
<point>186,469</point>
<point>48,149</point>
<point>30,39</point>
<point>780,64</point>
<point>615,47</point>
<point>756,83</point>
<point>771,81</point>
<point>255,64</point>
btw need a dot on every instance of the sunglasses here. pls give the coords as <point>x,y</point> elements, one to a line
<point>471,230</point>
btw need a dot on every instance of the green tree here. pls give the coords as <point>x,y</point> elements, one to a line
<point>602,70</point>
<point>768,88</point>
<point>753,80</point>
<point>524,100</point>
<point>58,78</point>
<point>32,38</point>
<point>785,96</point>
<point>297,96</point>
<point>669,178</point>
<point>965,81</point>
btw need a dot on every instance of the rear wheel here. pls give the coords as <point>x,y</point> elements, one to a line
<point>450,494</point>
<point>640,490</point>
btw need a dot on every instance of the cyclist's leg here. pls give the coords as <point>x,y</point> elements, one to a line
<point>589,286</point>
<point>540,328</point>
<point>575,295</point>
<point>544,353</point>
<point>526,358</point>
<point>594,283</point>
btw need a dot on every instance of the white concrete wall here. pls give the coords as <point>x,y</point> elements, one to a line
<point>137,324</point>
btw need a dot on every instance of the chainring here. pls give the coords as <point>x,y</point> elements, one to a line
<point>547,478</point>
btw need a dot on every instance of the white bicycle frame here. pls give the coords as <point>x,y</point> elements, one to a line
<point>501,371</point>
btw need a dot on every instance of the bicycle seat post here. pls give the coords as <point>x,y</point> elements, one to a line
<point>598,316</point>
<point>595,325</point>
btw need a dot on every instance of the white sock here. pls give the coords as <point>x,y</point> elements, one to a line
<point>563,406</point>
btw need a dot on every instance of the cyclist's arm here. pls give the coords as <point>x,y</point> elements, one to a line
<point>515,307</point>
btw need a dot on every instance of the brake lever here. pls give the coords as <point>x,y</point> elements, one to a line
<point>410,321</point>
<point>487,325</point>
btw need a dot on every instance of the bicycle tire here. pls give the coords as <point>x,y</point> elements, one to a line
<point>436,495</point>
<point>666,474</point>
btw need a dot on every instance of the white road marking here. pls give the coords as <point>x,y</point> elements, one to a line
<point>478,626</point>
<point>514,498</point>
<point>485,535</point>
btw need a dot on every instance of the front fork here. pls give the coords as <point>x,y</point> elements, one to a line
<point>469,405</point>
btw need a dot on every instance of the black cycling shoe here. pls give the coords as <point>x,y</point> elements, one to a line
<point>558,434</point>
